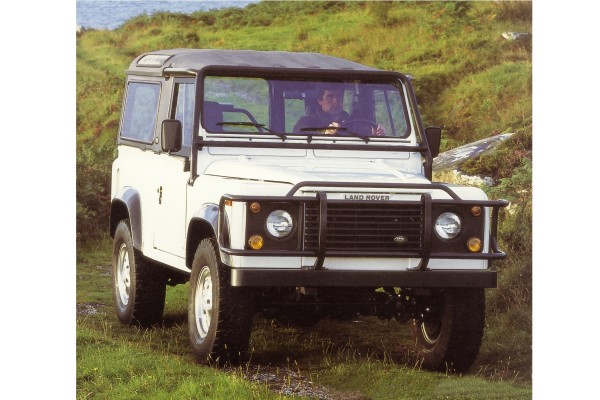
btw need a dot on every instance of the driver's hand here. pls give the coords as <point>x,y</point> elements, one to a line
<point>332,131</point>
<point>379,130</point>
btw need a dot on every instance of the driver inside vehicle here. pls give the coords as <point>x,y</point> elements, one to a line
<point>330,113</point>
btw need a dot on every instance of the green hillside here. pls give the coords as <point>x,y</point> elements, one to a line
<point>468,78</point>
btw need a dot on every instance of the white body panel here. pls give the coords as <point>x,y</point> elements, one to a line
<point>265,175</point>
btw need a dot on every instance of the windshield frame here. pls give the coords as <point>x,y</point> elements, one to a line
<point>281,77</point>
<point>350,143</point>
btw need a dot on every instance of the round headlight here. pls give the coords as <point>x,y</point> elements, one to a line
<point>280,223</point>
<point>447,225</point>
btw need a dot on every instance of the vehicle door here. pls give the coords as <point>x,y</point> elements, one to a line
<point>172,176</point>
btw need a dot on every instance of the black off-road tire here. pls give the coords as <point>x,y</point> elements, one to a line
<point>450,338</point>
<point>139,287</point>
<point>219,315</point>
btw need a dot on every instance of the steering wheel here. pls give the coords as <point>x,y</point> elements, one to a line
<point>359,125</point>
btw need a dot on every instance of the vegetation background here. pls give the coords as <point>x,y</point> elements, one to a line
<point>468,79</point>
<point>446,46</point>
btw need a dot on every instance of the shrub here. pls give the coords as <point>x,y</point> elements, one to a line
<point>516,221</point>
<point>93,190</point>
<point>507,157</point>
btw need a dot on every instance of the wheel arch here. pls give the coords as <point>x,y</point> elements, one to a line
<point>127,205</point>
<point>203,225</point>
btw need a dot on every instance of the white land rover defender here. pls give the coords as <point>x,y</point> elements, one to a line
<point>229,175</point>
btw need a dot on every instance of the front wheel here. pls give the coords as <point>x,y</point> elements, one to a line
<point>449,331</point>
<point>219,315</point>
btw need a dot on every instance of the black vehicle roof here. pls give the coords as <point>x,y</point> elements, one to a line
<point>155,63</point>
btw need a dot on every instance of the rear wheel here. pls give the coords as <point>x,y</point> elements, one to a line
<point>449,331</point>
<point>219,315</point>
<point>139,287</point>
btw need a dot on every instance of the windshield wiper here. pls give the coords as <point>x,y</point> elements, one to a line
<point>256,125</point>
<point>337,129</point>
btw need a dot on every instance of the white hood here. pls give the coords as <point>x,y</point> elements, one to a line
<point>293,171</point>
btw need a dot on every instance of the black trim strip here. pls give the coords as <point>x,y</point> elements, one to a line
<point>494,232</point>
<point>322,246</point>
<point>369,74</point>
<point>426,199</point>
<point>200,143</point>
<point>257,277</point>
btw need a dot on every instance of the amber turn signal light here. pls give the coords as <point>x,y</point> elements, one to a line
<point>255,207</point>
<point>476,211</point>
<point>256,242</point>
<point>474,245</point>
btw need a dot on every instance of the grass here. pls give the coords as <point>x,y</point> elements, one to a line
<point>364,358</point>
<point>388,381</point>
<point>498,92</point>
<point>127,368</point>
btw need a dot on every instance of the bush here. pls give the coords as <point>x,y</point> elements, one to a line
<point>93,190</point>
<point>516,220</point>
<point>507,157</point>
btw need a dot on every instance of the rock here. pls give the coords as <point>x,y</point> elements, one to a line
<point>488,181</point>
<point>472,180</point>
<point>453,159</point>
<point>89,308</point>
<point>513,36</point>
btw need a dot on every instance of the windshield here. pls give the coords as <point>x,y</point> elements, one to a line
<point>296,107</point>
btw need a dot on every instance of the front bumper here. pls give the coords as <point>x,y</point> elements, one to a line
<point>336,278</point>
<point>316,275</point>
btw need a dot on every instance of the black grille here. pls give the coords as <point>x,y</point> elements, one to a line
<point>366,227</point>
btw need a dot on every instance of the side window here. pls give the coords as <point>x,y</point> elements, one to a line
<point>184,109</point>
<point>141,106</point>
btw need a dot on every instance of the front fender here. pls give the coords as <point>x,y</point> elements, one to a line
<point>208,213</point>
<point>203,225</point>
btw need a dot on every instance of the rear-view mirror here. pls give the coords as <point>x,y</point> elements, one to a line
<point>434,138</point>
<point>171,135</point>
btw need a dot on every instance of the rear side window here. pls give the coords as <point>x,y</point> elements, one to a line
<point>141,106</point>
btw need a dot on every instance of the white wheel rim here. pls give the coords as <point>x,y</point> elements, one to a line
<point>123,275</point>
<point>430,339</point>
<point>203,302</point>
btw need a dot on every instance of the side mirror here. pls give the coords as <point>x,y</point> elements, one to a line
<point>171,136</point>
<point>434,138</point>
